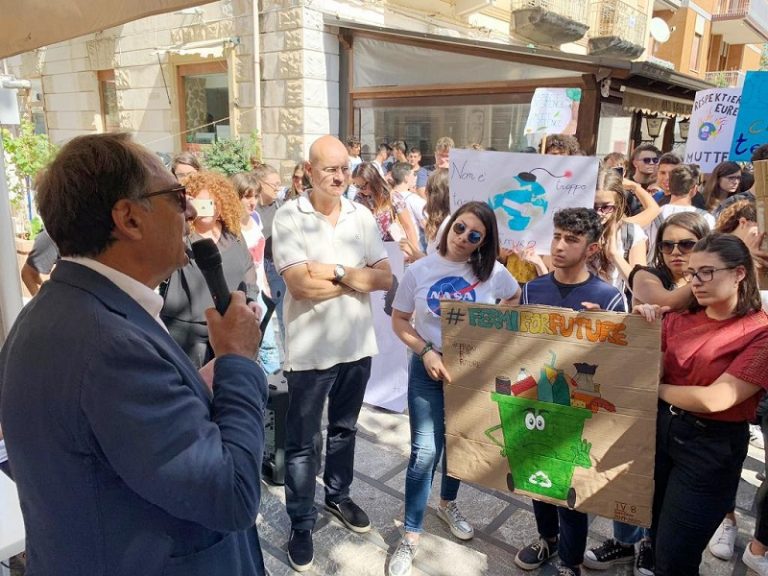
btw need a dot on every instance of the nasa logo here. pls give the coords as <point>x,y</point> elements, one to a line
<point>450,288</point>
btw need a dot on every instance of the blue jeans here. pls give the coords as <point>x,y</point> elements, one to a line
<point>628,534</point>
<point>426,412</point>
<point>344,386</point>
<point>277,288</point>
<point>269,353</point>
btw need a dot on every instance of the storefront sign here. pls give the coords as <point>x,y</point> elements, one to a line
<point>711,127</point>
<point>524,190</point>
<point>541,404</point>
<point>554,111</point>
<point>751,129</point>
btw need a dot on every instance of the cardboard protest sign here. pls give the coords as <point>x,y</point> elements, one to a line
<point>554,404</point>
<point>751,129</point>
<point>761,199</point>
<point>553,111</point>
<point>388,384</point>
<point>524,190</point>
<point>711,127</point>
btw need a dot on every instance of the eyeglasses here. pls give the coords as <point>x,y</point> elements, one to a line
<point>704,275</point>
<point>363,186</point>
<point>653,160</point>
<point>685,246</point>
<point>605,208</point>
<point>333,170</point>
<point>179,191</point>
<point>474,236</point>
<point>275,187</point>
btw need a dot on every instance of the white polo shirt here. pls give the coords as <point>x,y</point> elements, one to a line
<point>322,334</point>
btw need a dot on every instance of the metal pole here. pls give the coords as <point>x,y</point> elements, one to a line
<point>10,286</point>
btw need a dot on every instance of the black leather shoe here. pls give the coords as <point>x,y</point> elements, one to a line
<point>301,551</point>
<point>350,514</point>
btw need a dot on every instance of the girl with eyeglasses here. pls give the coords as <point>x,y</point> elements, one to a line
<point>464,268</point>
<point>724,181</point>
<point>624,242</point>
<point>713,371</point>
<point>662,284</point>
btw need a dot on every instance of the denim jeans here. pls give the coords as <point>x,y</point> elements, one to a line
<point>426,413</point>
<point>698,467</point>
<point>571,527</point>
<point>277,289</point>
<point>269,353</point>
<point>628,534</point>
<point>344,385</point>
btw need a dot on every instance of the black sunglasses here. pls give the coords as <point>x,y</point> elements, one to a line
<point>654,160</point>
<point>685,246</point>
<point>180,192</point>
<point>474,236</point>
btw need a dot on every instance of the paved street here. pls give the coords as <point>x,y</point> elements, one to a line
<point>503,522</point>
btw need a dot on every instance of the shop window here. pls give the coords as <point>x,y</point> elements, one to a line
<point>110,119</point>
<point>492,126</point>
<point>204,103</point>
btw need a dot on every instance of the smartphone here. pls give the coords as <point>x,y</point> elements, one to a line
<point>204,207</point>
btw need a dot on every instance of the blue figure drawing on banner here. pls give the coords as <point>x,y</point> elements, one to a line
<point>523,190</point>
<point>524,204</point>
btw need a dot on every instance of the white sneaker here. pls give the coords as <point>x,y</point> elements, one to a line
<point>402,560</point>
<point>757,563</point>
<point>456,522</point>
<point>756,437</point>
<point>723,540</point>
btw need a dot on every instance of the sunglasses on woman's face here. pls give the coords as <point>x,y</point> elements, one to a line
<point>605,208</point>
<point>685,246</point>
<point>474,237</point>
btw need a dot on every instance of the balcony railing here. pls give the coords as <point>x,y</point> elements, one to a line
<point>616,28</point>
<point>726,78</point>
<point>755,12</point>
<point>549,22</point>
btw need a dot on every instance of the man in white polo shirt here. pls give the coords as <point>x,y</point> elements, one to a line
<point>330,254</point>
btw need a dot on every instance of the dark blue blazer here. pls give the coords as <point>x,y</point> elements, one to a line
<point>124,462</point>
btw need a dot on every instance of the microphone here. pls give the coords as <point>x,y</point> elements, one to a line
<point>208,259</point>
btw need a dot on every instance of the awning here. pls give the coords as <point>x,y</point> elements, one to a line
<point>30,24</point>
<point>651,103</point>
<point>204,48</point>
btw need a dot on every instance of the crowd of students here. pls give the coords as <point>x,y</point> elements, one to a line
<point>657,241</point>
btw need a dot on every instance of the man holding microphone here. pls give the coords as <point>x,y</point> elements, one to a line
<point>126,462</point>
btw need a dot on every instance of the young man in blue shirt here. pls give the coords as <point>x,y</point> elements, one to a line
<point>571,285</point>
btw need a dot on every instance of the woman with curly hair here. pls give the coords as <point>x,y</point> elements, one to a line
<point>185,293</point>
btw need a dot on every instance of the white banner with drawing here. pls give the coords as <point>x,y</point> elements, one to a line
<point>524,190</point>
<point>711,127</point>
<point>388,384</point>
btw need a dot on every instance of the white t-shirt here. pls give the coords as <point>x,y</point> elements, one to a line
<point>416,206</point>
<point>321,334</point>
<point>638,236</point>
<point>432,244</point>
<point>666,211</point>
<point>434,278</point>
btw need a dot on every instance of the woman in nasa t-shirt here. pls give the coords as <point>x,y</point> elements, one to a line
<point>464,268</point>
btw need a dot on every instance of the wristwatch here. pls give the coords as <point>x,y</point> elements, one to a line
<point>338,273</point>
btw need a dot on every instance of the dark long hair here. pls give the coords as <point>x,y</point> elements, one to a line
<point>438,205</point>
<point>713,194</point>
<point>733,252</point>
<point>483,258</point>
<point>609,180</point>
<point>690,221</point>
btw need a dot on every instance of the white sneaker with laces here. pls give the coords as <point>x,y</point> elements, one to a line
<point>402,559</point>
<point>452,516</point>
<point>757,563</point>
<point>756,437</point>
<point>723,540</point>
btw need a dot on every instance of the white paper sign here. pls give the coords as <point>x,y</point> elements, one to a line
<point>553,111</point>
<point>524,190</point>
<point>388,384</point>
<point>711,129</point>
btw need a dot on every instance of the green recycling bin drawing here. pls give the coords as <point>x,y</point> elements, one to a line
<point>542,444</point>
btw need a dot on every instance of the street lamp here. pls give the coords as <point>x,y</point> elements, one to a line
<point>684,125</point>
<point>653,126</point>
